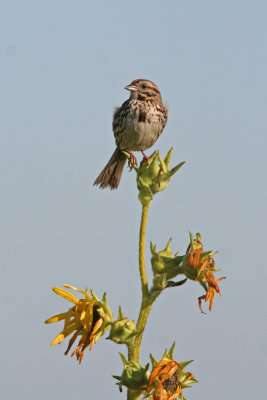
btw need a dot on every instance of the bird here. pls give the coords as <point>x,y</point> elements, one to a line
<point>137,125</point>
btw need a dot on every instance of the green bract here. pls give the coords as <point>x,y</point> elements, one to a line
<point>154,176</point>
<point>165,266</point>
<point>123,330</point>
<point>134,376</point>
<point>105,312</point>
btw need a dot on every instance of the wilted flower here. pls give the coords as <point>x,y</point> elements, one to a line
<point>200,266</point>
<point>212,288</point>
<point>88,318</point>
<point>168,378</point>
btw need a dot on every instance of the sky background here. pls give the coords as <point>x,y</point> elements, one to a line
<point>63,69</point>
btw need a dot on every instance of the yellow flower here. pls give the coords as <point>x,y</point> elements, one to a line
<point>88,318</point>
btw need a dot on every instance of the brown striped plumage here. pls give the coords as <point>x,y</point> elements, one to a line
<point>137,125</point>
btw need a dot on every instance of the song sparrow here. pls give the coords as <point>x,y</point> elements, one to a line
<point>137,125</point>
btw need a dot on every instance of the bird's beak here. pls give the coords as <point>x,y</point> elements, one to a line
<point>131,88</point>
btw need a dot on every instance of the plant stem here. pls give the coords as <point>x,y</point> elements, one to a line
<point>145,305</point>
<point>131,395</point>
<point>142,243</point>
<point>134,350</point>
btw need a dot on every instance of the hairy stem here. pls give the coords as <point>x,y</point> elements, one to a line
<point>142,243</point>
<point>134,350</point>
<point>145,305</point>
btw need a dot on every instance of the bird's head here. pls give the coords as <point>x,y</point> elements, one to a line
<point>143,89</point>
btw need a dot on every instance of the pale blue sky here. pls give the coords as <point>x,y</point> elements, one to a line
<point>63,67</point>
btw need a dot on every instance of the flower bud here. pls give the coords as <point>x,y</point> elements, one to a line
<point>165,266</point>
<point>134,376</point>
<point>123,330</point>
<point>154,176</point>
<point>157,263</point>
<point>160,282</point>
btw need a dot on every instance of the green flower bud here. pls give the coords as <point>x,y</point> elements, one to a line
<point>157,263</point>
<point>123,330</point>
<point>134,376</point>
<point>165,266</point>
<point>154,176</point>
<point>164,260</point>
<point>160,282</point>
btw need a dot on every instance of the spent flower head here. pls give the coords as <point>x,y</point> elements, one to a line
<point>168,378</point>
<point>88,319</point>
<point>199,265</point>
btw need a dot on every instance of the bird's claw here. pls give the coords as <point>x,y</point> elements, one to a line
<point>132,160</point>
<point>145,159</point>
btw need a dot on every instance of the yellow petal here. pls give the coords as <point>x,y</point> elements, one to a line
<point>88,317</point>
<point>70,317</point>
<point>66,332</point>
<point>86,294</point>
<point>96,327</point>
<point>56,318</point>
<point>80,306</point>
<point>82,316</point>
<point>65,294</point>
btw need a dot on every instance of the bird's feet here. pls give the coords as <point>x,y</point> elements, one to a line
<point>132,160</point>
<point>145,159</point>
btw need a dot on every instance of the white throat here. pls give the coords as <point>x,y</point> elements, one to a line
<point>134,95</point>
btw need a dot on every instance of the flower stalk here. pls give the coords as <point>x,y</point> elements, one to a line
<point>142,240</point>
<point>146,304</point>
<point>148,297</point>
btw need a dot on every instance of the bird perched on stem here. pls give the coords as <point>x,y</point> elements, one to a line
<point>137,125</point>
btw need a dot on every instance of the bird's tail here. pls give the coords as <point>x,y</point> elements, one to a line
<point>111,174</point>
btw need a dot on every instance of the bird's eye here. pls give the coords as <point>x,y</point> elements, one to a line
<point>143,86</point>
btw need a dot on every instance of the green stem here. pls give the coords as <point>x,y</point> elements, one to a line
<point>145,305</point>
<point>148,299</point>
<point>131,395</point>
<point>134,350</point>
<point>142,243</point>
